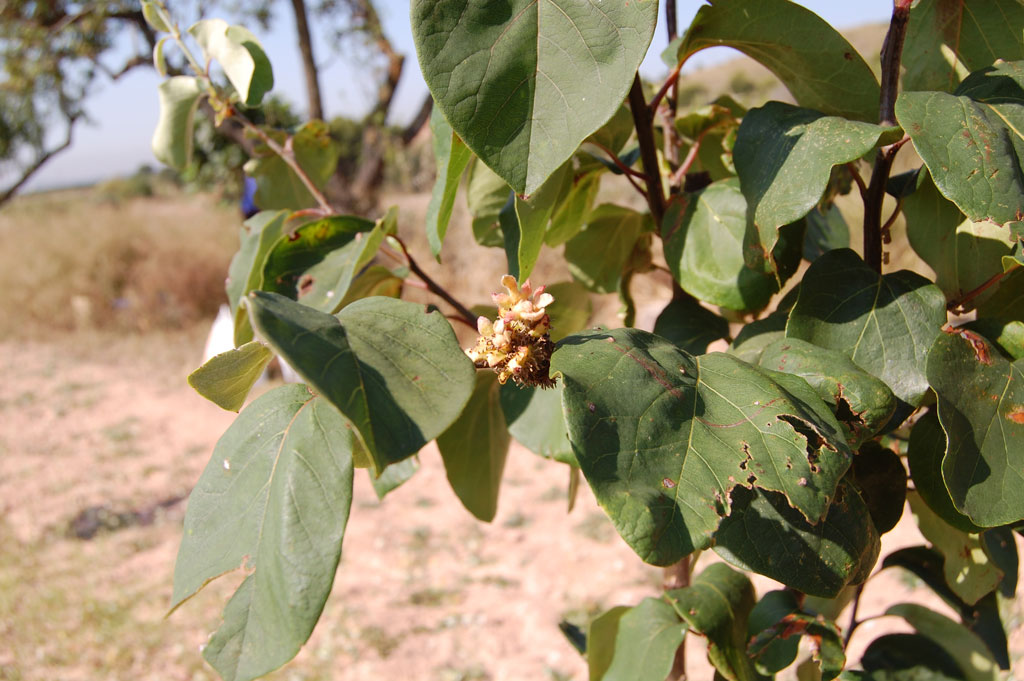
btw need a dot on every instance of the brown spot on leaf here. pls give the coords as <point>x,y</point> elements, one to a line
<point>305,285</point>
<point>1016,415</point>
<point>668,483</point>
<point>978,344</point>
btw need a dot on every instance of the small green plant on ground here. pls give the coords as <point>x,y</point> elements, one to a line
<point>787,455</point>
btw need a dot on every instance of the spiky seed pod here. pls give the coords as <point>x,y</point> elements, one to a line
<point>517,344</point>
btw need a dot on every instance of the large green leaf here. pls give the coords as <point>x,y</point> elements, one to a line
<point>572,214</point>
<point>784,157</point>
<point>765,534</point>
<point>523,83</point>
<point>451,156</point>
<point>885,324</point>
<point>486,195</point>
<point>598,254</point>
<point>533,215</point>
<point>275,495</point>
<point>535,420</point>
<point>775,627</point>
<point>968,651</point>
<point>394,370</point>
<point>278,187</point>
<point>820,68</point>
<point>645,642</point>
<point>601,634</point>
<point>909,657</point>
<point>968,570</point>
<point>754,337</point>
<point>257,236</point>
<point>172,138</point>
<point>924,457</point>
<point>474,449</point>
<point>227,378</point>
<point>973,140</point>
<point>326,284</point>
<point>881,477</point>
<point>298,250</point>
<point>717,605</point>
<point>862,403</point>
<point>945,37</point>
<point>690,325</point>
<point>981,409</point>
<point>664,437</point>
<point>240,55</point>
<point>714,251</point>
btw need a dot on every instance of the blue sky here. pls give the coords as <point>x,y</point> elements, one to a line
<point>123,114</point>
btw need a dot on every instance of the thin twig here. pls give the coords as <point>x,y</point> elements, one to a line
<point>853,614</point>
<point>892,51</point>
<point>673,76</point>
<point>858,179</point>
<point>642,121</point>
<point>619,163</point>
<point>886,236</point>
<point>957,305</point>
<point>434,287</point>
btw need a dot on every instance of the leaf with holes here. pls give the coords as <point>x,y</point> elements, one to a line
<point>885,324</point>
<point>275,494</point>
<point>862,403</point>
<point>664,437</point>
<point>524,82</point>
<point>766,534</point>
<point>394,370</point>
<point>227,378</point>
<point>820,68</point>
<point>972,141</point>
<point>981,409</point>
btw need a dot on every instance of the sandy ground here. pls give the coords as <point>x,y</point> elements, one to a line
<point>108,426</point>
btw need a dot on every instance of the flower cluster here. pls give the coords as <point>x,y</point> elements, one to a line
<point>516,344</point>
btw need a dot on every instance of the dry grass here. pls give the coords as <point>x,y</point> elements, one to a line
<point>72,260</point>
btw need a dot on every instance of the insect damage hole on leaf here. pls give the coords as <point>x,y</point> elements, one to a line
<point>814,439</point>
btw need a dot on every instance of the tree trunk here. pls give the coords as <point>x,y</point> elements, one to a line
<point>316,108</point>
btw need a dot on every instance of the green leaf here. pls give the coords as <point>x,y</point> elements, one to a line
<point>754,337</point>
<point>298,250</point>
<point>574,210</point>
<point>818,66</point>
<point>924,457</point>
<point>825,232</point>
<point>535,420</point>
<point>945,37</point>
<point>972,141</point>
<point>909,657</point>
<point>172,139</point>
<point>717,605</point>
<point>486,195</point>
<point>533,215</point>
<point>601,635</point>
<point>882,480</point>
<point>964,647</point>
<point>616,131</point>
<point>765,534</point>
<point>524,83</point>
<point>327,283</point>
<point>664,437</point>
<point>784,157</point>
<point>1008,300</point>
<point>156,17</point>
<point>227,378</point>
<point>395,371</point>
<point>690,325</point>
<point>885,324</point>
<point>240,55</point>
<point>982,619</point>
<point>159,62</point>
<point>474,449</point>
<point>375,280</point>
<point>394,476</point>
<point>257,236</point>
<point>275,494</point>
<point>571,310</point>
<point>278,187</point>
<point>775,628</point>
<point>451,157</point>
<point>981,409</point>
<point>964,254</point>
<point>861,403</point>
<point>1001,550</point>
<point>598,254</point>
<point>714,252</point>
<point>645,643</point>
<point>966,566</point>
